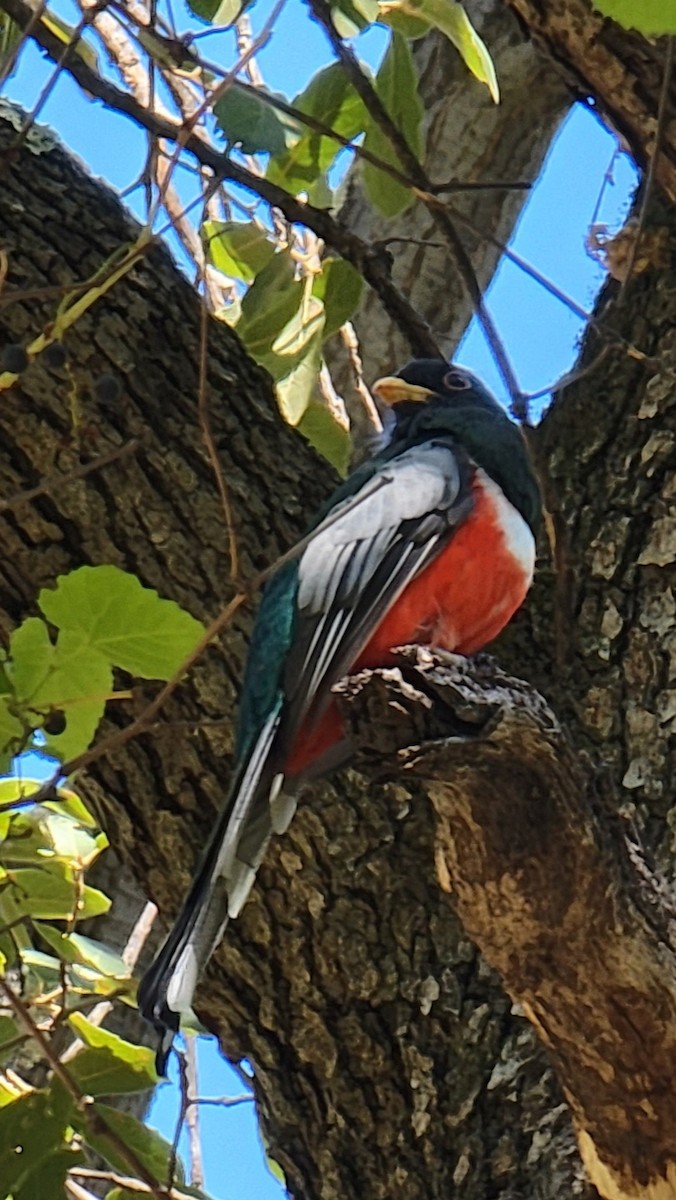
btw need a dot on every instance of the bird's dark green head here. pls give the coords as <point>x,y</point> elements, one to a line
<point>430,396</point>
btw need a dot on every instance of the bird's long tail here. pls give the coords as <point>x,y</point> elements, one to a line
<point>218,890</point>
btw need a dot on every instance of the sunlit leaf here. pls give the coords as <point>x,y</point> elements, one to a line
<point>331,99</point>
<point>152,1149</point>
<point>69,676</point>
<point>76,948</point>
<point>397,86</point>
<point>295,390</point>
<point>340,287</point>
<point>43,973</point>
<point>326,434</point>
<point>43,833</point>
<point>272,300</point>
<point>12,735</point>
<point>130,625</point>
<point>110,1065</point>
<point>303,326</point>
<point>351,16</point>
<point>248,122</point>
<point>218,12</point>
<point>652,18</point>
<point>450,17</point>
<point>239,249</point>
<point>48,894</point>
<point>66,35</point>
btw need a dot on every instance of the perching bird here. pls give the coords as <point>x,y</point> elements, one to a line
<point>432,541</point>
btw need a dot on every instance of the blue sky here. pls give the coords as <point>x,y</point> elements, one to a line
<point>540,333</point>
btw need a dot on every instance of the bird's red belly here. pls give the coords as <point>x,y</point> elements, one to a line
<point>460,602</point>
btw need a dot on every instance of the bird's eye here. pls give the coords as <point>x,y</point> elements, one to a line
<point>456,382</point>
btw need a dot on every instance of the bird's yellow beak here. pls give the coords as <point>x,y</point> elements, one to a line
<point>392,390</point>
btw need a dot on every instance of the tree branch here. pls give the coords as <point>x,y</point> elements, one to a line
<point>551,887</point>
<point>369,260</point>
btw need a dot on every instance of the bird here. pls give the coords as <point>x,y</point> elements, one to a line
<point>430,541</point>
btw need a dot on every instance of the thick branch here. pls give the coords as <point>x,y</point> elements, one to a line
<point>551,890</point>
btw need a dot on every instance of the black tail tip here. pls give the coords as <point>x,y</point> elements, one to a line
<point>153,1007</point>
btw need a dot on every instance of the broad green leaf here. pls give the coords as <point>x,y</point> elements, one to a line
<point>340,287</point>
<point>152,1149</point>
<point>118,618</point>
<point>239,249</point>
<point>44,974</point>
<point>8,1031</point>
<point>248,122</point>
<point>70,677</point>
<point>273,299</point>
<point>68,803</point>
<point>295,389</point>
<point>76,948</point>
<point>12,735</point>
<point>652,18</point>
<point>46,1180</point>
<point>32,1127</point>
<point>397,86</point>
<point>450,17</point>
<point>351,16</point>
<point>39,833</point>
<point>327,436</point>
<point>110,1065</point>
<point>218,12</point>
<point>303,326</point>
<point>331,99</point>
<point>48,894</point>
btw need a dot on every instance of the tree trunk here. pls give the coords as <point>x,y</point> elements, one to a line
<point>388,1058</point>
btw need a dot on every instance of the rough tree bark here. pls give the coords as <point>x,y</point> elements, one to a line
<point>388,1058</point>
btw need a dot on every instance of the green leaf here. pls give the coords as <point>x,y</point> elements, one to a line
<point>237,248</point>
<point>110,1065</point>
<point>248,122</point>
<point>44,974</point>
<point>450,17</point>
<point>218,12</point>
<point>351,16</point>
<point>13,735</point>
<point>71,677</point>
<point>152,1149</point>
<point>76,948</point>
<point>32,1127</point>
<point>295,389</point>
<point>40,833</point>
<point>8,1031</point>
<point>397,86</point>
<point>303,326</point>
<point>49,894</point>
<point>273,299</point>
<point>331,99</point>
<point>327,436</point>
<point>652,18</point>
<point>47,1179</point>
<point>340,287</point>
<point>118,618</point>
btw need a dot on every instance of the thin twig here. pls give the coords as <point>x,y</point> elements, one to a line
<point>323,14</point>
<point>61,479</point>
<point>370,261</point>
<point>196,1166</point>
<point>205,425</point>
